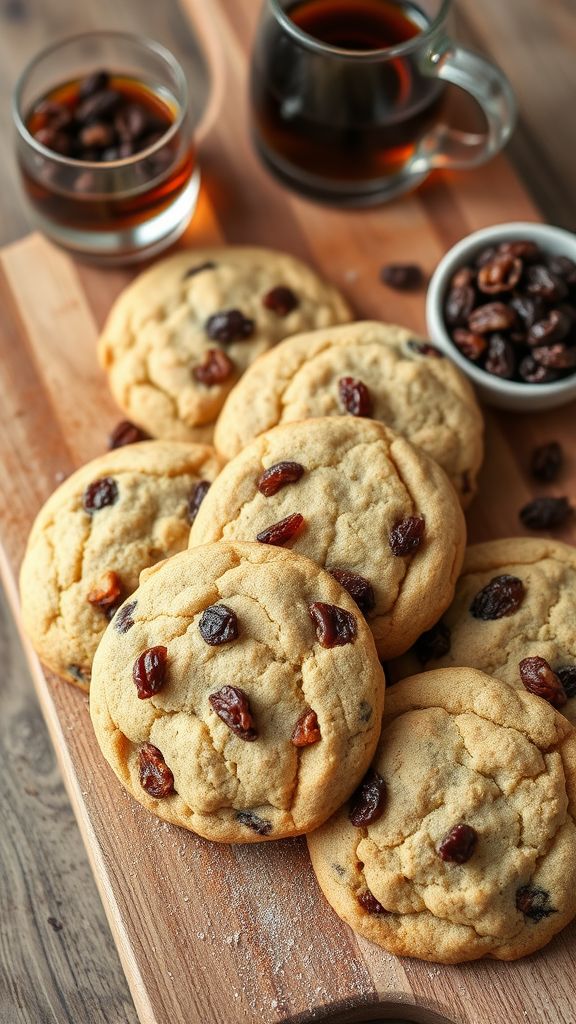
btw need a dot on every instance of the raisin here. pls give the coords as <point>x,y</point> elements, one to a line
<point>567,677</point>
<point>494,316</point>
<point>538,678</point>
<point>99,494</point>
<point>433,644</point>
<point>406,535</point>
<point>79,674</point>
<point>229,325</point>
<point>551,328</point>
<point>124,621</point>
<point>98,107</point>
<point>369,903</point>
<point>199,269</point>
<point>155,775</point>
<point>126,432</point>
<point>540,281</point>
<point>367,802</point>
<point>524,250</point>
<point>546,461</point>
<point>283,531</point>
<point>534,373</point>
<point>149,671</point>
<point>463,277</point>
<point>555,357</point>
<point>403,277</point>
<point>218,625</point>
<point>486,255</point>
<point>106,595</point>
<point>216,368</point>
<point>306,731</point>
<point>231,705</point>
<point>473,346</point>
<point>195,499</point>
<point>335,627</point>
<point>534,903</point>
<point>95,82</point>
<point>97,135</point>
<point>458,844</point>
<point>528,308</point>
<point>355,396</point>
<point>424,348</point>
<point>360,590</point>
<point>501,358</point>
<point>253,821</point>
<point>459,305</point>
<point>281,300</point>
<point>563,267</point>
<point>276,477</point>
<point>500,274</point>
<point>502,596</point>
<point>545,513</point>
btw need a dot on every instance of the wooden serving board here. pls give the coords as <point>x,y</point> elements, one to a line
<point>208,933</point>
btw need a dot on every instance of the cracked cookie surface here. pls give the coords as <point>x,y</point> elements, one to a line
<point>226,788</point>
<point>460,748</point>
<point>424,398</point>
<point>155,338</point>
<point>544,624</point>
<point>359,480</point>
<point>142,519</point>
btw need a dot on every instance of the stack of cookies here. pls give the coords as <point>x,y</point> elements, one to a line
<point>231,590</point>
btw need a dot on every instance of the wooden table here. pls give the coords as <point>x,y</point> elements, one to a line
<point>57,960</point>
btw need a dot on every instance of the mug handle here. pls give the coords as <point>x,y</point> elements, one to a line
<point>447,147</point>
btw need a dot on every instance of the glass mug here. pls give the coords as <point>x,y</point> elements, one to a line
<point>347,97</point>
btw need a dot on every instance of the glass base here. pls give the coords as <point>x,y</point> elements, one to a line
<point>348,194</point>
<point>131,245</point>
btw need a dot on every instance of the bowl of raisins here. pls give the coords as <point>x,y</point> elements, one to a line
<point>502,305</point>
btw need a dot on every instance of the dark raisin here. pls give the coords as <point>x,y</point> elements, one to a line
<point>253,821</point>
<point>281,300</point>
<point>306,731</point>
<point>524,250</point>
<point>276,477</point>
<point>231,705</point>
<point>283,531</point>
<point>229,325</point>
<point>555,357</point>
<point>406,535</point>
<point>433,644</point>
<point>365,711</point>
<point>360,590</point>
<point>403,277</point>
<point>500,358</point>
<point>55,924</point>
<point>494,316</point>
<point>473,346</point>
<point>355,396</point>
<point>563,267</point>
<point>567,677</point>
<point>367,802</point>
<point>538,678</point>
<point>218,625</point>
<point>534,373</point>
<point>79,674</point>
<point>99,494</point>
<point>462,278</point>
<point>546,461</point>
<point>529,308</point>
<point>458,844</point>
<point>424,348</point>
<point>124,621</point>
<point>335,627</point>
<point>95,82</point>
<point>126,432</point>
<point>502,596</point>
<point>540,281</point>
<point>369,903</point>
<point>459,305</point>
<point>97,135</point>
<point>106,595</point>
<point>131,122</point>
<point>545,513</point>
<point>216,368</point>
<point>485,255</point>
<point>99,107</point>
<point>550,329</point>
<point>149,671</point>
<point>534,903</point>
<point>199,269</point>
<point>500,275</point>
<point>155,775</point>
<point>196,497</point>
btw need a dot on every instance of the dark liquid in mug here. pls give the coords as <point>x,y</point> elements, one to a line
<point>319,117</point>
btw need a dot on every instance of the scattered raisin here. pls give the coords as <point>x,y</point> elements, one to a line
<point>458,844</point>
<point>335,627</point>
<point>216,368</point>
<point>306,731</point>
<point>55,924</point>
<point>367,802</point>
<point>502,596</point>
<point>199,269</point>
<point>195,499</point>
<point>360,590</point>
<point>281,300</point>
<point>276,477</point>
<point>501,357</point>
<point>355,396</point>
<point>231,705</point>
<point>124,621</point>
<point>433,644</point>
<point>155,775</point>
<point>283,531</point>
<point>106,595</point>
<point>473,346</point>
<point>534,903</point>
<point>424,348</point>
<point>406,535</point>
<point>126,432</point>
<point>494,316</point>
<point>369,903</point>
<point>500,274</point>
<point>229,325</point>
<point>218,625</point>
<point>403,277</point>
<point>546,461</point>
<point>538,678</point>
<point>79,674</point>
<point>545,513</point>
<point>149,671</point>
<point>253,821</point>
<point>567,676</point>
<point>99,494</point>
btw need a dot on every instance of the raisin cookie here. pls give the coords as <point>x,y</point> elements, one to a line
<point>515,600</point>
<point>358,500</point>
<point>182,333</point>
<point>239,693</point>
<point>461,842</point>
<point>117,515</point>
<point>363,369</point>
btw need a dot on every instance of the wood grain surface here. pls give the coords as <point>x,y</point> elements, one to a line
<point>48,973</point>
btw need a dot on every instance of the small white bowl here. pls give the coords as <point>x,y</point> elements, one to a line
<point>507,394</point>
